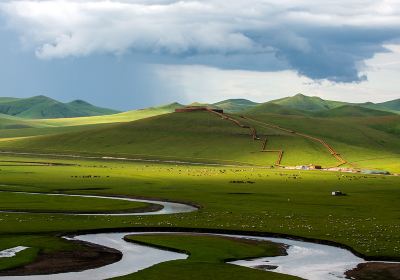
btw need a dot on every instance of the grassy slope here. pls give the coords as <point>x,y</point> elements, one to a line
<point>197,136</point>
<point>207,258</point>
<point>392,105</point>
<point>316,104</point>
<point>120,117</point>
<point>44,107</point>
<point>11,127</point>
<point>352,111</point>
<point>365,141</point>
<point>307,103</point>
<point>38,203</point>
<point>235,105</point>
<point>290,202</point>
<point>7,99</point>
<point>273,108</point>
<point>9,122</point>
<point>369,142</point>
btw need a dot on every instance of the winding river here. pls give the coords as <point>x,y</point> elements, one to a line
<point>167,207</point>
<point>305,259</point>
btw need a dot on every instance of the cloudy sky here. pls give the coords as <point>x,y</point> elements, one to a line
<point>135,53</point>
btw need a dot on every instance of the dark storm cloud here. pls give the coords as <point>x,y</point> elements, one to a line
<point>329,41</point>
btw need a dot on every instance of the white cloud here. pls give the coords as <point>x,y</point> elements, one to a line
<point>333,36</point>
<point>206,84</point>
<point>62,28</point>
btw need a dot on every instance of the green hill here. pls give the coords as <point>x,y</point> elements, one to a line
<point>11,126</point>
<point>367,142</point>
<point>371,142</point>
<point>235,105</point>
<point>352,111</point>
<point>7,99</point>
<point>365,137</point>
<point>114,118</point>
<point>9,122</point>
<point>196,136</point>
<point>307,103</point>
<point>391,105</point>
<point>40,107</point>
<point>316,104</point>
<point>273,108</point>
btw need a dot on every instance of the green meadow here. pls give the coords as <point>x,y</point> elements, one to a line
<point>205,160</point>
<point>296,203</point>
<point>203,137</point>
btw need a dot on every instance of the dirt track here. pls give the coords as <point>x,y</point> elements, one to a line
<point>253,133</point>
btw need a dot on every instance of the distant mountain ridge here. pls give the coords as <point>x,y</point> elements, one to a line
<point>43,107</point>
<point>301,104</point>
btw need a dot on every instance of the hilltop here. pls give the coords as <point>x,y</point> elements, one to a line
<point>235,105</point>
<point>307,103</point>
<point>301,104</point>
<point>42,107</point>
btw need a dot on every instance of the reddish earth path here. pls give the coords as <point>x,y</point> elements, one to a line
<point>253,133</point>
<point>331,150</point>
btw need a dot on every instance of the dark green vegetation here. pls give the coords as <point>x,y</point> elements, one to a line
<point>42,107</point>
<point>207,258</point>
<point>37,244</point>
<point>64,204</point>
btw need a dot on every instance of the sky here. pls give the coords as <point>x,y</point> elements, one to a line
<point>128,54</point>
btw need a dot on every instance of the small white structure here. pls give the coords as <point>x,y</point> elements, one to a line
<point>337,193</point>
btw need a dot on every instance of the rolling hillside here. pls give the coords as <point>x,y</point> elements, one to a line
<point>368,142</point>
<point>235,105</point>
<point>7,99</point>
<point>196,136</point>
<point>10,122</point>
<point>315,106</point>
<point>367,138</point>
<point>352,111</point>
<point>273,108</point>
<point>11,127</point>
<point>205,137</point>
<point>40,107</point>
<point>393,105</point>
<point>307,103</point>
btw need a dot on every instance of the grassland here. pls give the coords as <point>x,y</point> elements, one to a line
<point>207,257</point>
<point>12,127</point>
<point>202,137</point>
<point>287,202</point>
<point>63,204</point>
<point>369,143</point>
